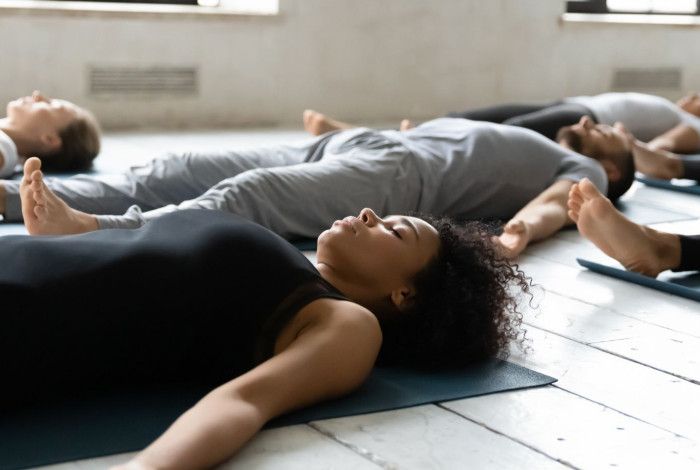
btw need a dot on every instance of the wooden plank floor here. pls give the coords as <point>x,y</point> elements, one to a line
<point>627,359</point>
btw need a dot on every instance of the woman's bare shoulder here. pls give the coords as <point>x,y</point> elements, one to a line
<point>343,314</point>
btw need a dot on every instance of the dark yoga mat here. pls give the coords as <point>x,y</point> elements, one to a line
<point>685,284</point>
<point>684,186</point>
<point>130,421</point>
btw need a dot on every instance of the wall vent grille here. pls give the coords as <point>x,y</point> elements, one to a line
<point>655,78</point>
<point>153,80</point>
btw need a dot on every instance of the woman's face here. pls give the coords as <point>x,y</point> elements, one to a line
<point>385,253</point>
<point>40,115</point>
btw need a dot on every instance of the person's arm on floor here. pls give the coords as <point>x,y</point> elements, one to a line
<point>680,139</point>
<point>540,218</point>
<point>657,163</point>
<point>330,357</point>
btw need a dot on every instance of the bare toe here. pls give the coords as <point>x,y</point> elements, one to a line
<point>406,125</point>
<point>31,165</point>
<point>588,189</point>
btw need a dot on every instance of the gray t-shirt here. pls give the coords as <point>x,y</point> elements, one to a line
<point>475,169</point>
<point>645,116</point>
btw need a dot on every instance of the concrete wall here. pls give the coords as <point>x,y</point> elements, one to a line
<point>363,60</point>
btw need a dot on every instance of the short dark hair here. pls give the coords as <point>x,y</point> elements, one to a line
<point>465,306</point>
<point>80,144</point>
<point>624,163</point>
<point>571,139</point>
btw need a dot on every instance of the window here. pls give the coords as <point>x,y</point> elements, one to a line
<point>162,2</point>
<point>204,3</point>
<point>159,7</point>
<point>664,7</point>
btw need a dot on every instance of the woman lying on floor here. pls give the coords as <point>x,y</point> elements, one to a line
<point>638,248</point>
<point>64,135</point>
<point>208,297</point>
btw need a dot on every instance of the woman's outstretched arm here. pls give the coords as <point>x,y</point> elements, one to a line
<point>330,356</point>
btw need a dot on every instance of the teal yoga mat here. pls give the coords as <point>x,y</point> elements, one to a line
<point>685,284</point>
<point>129,421</point>
<point>683,186</point>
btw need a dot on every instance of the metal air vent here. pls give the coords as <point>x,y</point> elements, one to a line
<point>153,80</point>
<point>655,78</point>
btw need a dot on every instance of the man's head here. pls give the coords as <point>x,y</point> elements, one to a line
<point>690,103</point>
<point>65,136</point>
<point>611,146</point>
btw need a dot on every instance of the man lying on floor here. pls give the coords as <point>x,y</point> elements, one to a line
<point>664,125</point>
<point>457,167</point>
<point>662,129</point>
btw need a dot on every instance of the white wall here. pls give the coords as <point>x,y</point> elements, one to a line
<point>363,60</point>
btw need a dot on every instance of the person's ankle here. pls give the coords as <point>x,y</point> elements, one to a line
<point>667,248</point>
<point>674,167</point>
<point>86,222</point>
<point>92,223</point>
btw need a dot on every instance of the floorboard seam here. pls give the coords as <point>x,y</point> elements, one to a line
<point>362,452</point>
<point>511,438</point>
<point>611,310</point>
<point>612,353</point>
<point>608,407</point>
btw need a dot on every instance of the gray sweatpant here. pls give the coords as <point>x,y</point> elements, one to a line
<point>272,186</point>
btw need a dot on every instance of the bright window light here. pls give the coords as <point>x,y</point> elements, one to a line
<point>270,6</point>
<point>657,6</point>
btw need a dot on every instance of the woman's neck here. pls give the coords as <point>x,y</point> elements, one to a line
<point>24,145</point>
<point>350,287</point>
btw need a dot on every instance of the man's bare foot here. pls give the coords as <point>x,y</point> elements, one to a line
<point>45,213</point>
<point>656,163</point>
<point>636,247</point>
<point>405,125</point>
<point>316,123</point>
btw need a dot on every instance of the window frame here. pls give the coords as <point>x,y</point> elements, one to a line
<point>601,7</point>
<point>226,9</point>
<point>193,3</point>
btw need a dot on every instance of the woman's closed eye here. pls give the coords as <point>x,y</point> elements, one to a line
<point>396,233</point>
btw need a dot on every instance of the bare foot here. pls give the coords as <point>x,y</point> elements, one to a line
<point>45,213</point>
<point>406,125</point>
<point>316,123</point>
<point>656,163</point>
<point>636,247</point>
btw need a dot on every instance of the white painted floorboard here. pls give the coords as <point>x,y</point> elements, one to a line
<point>567,428</point>
<point>627,359</point>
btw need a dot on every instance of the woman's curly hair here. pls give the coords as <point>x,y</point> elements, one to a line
<point>465,306</point>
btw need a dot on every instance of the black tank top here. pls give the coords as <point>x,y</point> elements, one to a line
<point>192,296</point>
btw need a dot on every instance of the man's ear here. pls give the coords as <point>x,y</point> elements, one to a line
<point>51,141</point>
<point>403,297</point>
<point>611,170</point>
